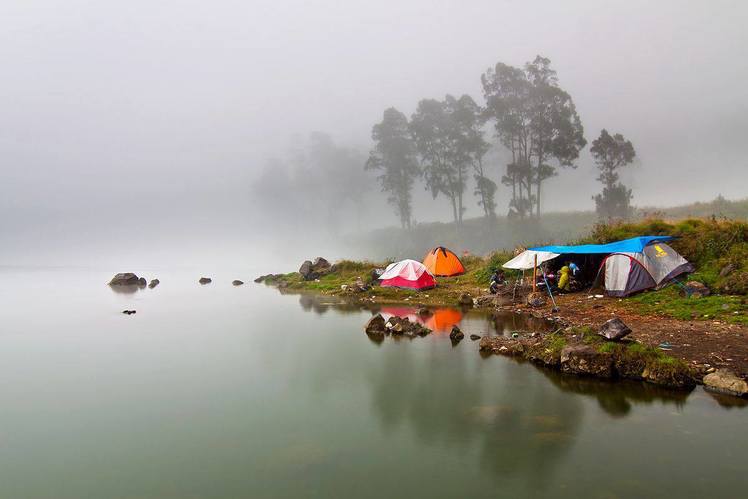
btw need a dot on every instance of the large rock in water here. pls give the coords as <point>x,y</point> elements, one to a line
<point>124,279</point>
<point>725,381</point>
<point>586,359</point>
<point>375,326</point>
<point>614,329</point>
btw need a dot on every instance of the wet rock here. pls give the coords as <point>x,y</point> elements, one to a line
<point>402,326</point>
<point>465,300</point>
<point>129,312</point>
<point>205,280</point>
<point>696,289</point>
<point>536,299</point>
<point>614,329</point>
<point>154,283</point>
<point>237,282</point>
<point>375,324</point>
<point>587,360</point>
<point>142,282</point>
<point>474,337</point>
<point>456,334</point>
<point>261,278</point>
<point>725,381</point>
<point>727,270</point>
<point>124,279</point>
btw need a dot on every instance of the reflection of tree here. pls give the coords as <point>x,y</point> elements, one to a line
<point>616,397</point>
<point>455,401</point>
<point>521,424</point>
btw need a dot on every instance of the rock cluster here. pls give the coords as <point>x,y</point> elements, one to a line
<point>314,270</point>
<point>577,357</point>
<point>377,327</point>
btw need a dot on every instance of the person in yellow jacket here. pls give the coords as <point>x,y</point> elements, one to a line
<point>563,280</point>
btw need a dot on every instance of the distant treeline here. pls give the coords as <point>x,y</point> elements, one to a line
<point>481,236</point>
<point>538,134</point>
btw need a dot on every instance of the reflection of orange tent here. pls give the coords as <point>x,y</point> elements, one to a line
<point>443,319</point>
<point>442,262</point>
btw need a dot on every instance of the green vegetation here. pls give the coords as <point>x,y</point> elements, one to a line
<point>670,302</point>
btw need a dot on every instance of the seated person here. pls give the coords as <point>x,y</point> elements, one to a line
<point>564,281</point>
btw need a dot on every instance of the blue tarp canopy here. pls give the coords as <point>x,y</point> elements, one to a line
<point>633,245</point>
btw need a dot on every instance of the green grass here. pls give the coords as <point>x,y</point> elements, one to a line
<point>671,303</point>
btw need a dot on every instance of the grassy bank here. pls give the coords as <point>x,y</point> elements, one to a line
<point>711,245</point>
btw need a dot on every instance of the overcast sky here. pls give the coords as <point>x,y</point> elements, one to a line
<point>158,108</point>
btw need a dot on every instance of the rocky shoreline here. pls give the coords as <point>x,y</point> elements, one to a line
<point>573,345</point>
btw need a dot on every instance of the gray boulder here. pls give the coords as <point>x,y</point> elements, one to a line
<point>124,279</point>
<point>725,381</point>
<point>237,282</point>
<point>614,329</point>
<point>205,280</point>
<point>154,283</point>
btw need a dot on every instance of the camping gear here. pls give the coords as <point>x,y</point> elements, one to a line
<point>408,274</point>
<point>630,265</point>
<point>443,263</point>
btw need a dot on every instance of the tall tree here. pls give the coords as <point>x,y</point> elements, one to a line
<point>538,122</point>
<point>394,156</point>
<point>449,140</point>
<point>612,152</point>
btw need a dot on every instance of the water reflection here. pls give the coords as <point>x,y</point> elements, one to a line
<point>616,398</point>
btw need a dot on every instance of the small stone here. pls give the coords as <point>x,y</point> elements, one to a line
<point>474,337</point>
<point>205,280</point>
<point>142,282</point>
<point>237,282</point>
<point>456,334</point>
<point>154,283</point>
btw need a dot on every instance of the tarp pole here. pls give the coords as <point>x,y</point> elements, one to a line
<point>535,275</point>
<point>545,279</point>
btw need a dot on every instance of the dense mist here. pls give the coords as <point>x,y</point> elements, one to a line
<point>182,131</point>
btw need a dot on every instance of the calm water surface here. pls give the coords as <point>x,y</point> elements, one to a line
<point>216,391</point>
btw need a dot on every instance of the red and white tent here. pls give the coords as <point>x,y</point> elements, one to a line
<point>407,274</point>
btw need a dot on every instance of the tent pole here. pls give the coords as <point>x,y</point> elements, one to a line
<point>535,275</point>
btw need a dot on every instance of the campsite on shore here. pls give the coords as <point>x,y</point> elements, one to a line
<point>679,288</point>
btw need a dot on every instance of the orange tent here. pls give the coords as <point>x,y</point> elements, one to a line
<point>443,263</point>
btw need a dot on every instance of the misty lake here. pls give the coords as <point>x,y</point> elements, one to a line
<point>221,391</point>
